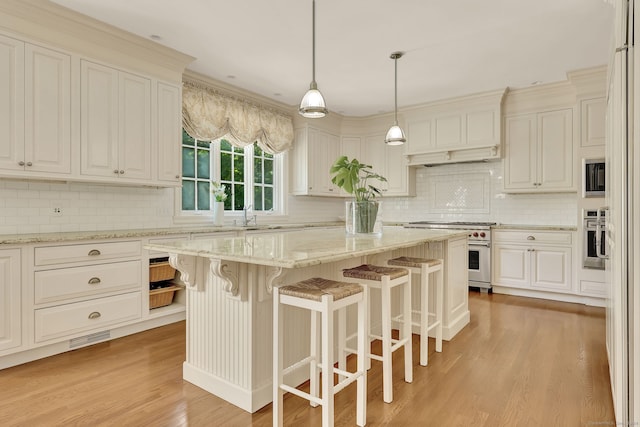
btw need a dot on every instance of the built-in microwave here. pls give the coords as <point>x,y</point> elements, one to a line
<point>594,178</point>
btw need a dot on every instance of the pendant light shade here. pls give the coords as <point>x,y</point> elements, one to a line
<point>395,134</point>
<point>312,105</point>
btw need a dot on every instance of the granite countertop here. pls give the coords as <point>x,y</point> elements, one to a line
<point>535,227</point>
<point>16,239</point>
<point>303,248</point>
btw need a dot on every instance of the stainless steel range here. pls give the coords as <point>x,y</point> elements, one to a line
<point>479,248</point>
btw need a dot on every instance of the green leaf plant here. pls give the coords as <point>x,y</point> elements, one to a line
<point>353,177</point>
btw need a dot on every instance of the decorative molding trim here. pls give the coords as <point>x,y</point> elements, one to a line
<point>222,270</point>
<point>274,276</point>
<point>187,265</point>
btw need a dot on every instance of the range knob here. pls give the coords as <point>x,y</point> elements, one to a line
<point>475,234</point>
<point>482,234</point>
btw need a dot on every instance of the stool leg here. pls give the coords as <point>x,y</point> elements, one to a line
<point>387,383</point>
<point>368,327</point>
<point>278,330</point>
<point>314,374</point>
<point>342,340</point>
<point>424,315</point>
<point>439,308</point>
<point>327,362</point>
<point>363,341</point>
<point>408,347</point>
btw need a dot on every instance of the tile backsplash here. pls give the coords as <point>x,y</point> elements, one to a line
<point>460,192</point>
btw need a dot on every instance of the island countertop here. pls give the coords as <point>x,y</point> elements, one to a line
<point>302,248</point>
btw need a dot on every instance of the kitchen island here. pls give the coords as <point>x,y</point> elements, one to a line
<point>229,306</point>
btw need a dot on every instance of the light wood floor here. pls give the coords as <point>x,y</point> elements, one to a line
<point>520,362</point>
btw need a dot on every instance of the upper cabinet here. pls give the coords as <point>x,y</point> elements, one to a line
<point>592,123</point>
<point>35,110</point>
<point>169,133</point>
<point>313,153</point>
<point>458,130</point>
<point>390,162</point>
<point>539,152</point>
<point>115,123</point>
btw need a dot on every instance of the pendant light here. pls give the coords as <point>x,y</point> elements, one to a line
<point>395,134</point>
<point>312,105</point>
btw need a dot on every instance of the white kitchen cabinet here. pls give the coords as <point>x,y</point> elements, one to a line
<point>35,111</point>
<point>115,123</point>
<point>311,157</point>
<point>10,300</point>
<point>592,122</point>
<point>534,260</point>
<point>539,152</point>
<point>169,133</point>
<point>390,162</point>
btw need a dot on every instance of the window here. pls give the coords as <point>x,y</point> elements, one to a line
<point>249,175</point>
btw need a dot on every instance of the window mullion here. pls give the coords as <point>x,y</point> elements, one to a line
<point>248,176</point>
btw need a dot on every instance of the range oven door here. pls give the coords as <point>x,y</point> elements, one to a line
<point>480,265</point>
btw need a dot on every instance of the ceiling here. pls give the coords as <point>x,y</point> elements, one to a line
<point>452,47</point>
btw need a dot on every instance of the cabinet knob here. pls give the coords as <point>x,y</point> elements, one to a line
<point>20,163</point>
<point>94,315</point>
<point>121,172</point>
<point>116,171</point>
<point>94,281</point>
<point>93,252</point>
<point>177,176</point>
<point>29,164</point>
<point>531,238</point>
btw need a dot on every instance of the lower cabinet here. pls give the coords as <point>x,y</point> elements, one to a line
<point>10,300</point>
<point>535,260</point>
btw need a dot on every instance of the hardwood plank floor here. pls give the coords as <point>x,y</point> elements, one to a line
<point>520,362</point>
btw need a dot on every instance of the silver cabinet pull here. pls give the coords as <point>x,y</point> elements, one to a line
<point>94,281</point>
<point>20,163</point>
<point>121,172</point>
<point>94,315</point>
<point>94,252</point>
<point>29,164</point>
<point>531,238</point>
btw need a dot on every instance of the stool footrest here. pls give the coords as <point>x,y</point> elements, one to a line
<point>298,365</point>
<point>301,394</point>
<point>349,378</point>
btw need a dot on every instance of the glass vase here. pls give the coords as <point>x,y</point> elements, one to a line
<point>363,218</point>
<point>218,213</point>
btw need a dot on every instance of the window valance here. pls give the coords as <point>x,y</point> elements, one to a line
<point>208,115</point>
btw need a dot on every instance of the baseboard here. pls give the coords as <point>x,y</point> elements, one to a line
<point>552,296</point>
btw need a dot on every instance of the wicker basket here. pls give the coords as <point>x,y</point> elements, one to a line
<point>162,297</point>
<point>161,271</point>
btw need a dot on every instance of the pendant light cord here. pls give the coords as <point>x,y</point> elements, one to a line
<point>395,116</point>
<point>313,45</point>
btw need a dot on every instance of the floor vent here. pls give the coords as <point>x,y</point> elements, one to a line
<point>88,339</point>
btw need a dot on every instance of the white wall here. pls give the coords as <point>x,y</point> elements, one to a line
<point>461,192</point>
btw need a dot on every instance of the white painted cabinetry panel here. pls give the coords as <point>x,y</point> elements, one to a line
<point>71,319</point>
<point>49,255</point>
<point>10,300</point>
<point>169,133</point>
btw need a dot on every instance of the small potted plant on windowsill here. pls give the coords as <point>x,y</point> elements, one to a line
<point>362,212</point>
<point>219,194</point>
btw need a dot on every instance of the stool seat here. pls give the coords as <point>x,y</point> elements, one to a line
<point>314,288</point>
<point>406,261</point>
<point>374,272</point>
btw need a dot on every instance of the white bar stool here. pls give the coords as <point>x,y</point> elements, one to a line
<point>385,279</point>
<point>322,297</point>
<point>425,267</point>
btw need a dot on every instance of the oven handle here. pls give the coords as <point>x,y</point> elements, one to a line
<point>488,245</point>
<point>600,218</point>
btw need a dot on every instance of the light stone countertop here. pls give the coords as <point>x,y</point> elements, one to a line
<point>303,248</point>
<point>17,239</point>
<point>535,227</point>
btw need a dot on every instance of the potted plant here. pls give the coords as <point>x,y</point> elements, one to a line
<point>354,178</point>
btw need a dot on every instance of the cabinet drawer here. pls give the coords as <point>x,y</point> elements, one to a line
<point>70,319</point>
<point>532,237</point>
<point>50,255</point>
<point>64,283</point>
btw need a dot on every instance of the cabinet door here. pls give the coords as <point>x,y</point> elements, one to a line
<point>299,165</point>
<point>551,268</point>
<point>11,103</point>
<point>592,122</point>
<point>520,163</point>
<point>350,147</point>
<point>555,150</point>
<point>388,161</point>
<point>511,265</point>
<point>134,123</point>
<point>169,132</point>
<point>10,286</point>
<point>323,149</point>
<point>47,111</point>
<point>99,120</point>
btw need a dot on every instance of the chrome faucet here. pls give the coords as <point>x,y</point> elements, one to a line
<point>246,220</point>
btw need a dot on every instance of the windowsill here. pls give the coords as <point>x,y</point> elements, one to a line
<point>229,218</point>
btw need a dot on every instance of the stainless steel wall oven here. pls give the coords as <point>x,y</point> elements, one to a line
<point>591,240</point>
